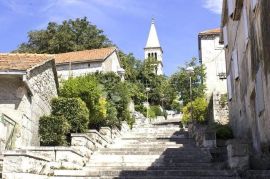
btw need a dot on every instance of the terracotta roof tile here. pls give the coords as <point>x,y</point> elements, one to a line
<point>85,55</point>
<point>22,62</point>
<point>210,32</point>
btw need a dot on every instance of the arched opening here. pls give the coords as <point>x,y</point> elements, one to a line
<point>156,56</point>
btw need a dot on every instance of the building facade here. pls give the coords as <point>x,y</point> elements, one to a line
<point>153,49</point>
<point>28,82</point>
<point>212,56</point>
<point>73,64</point>
<point>246,36</point>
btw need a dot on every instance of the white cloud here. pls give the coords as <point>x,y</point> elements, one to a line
<point>214,6</point>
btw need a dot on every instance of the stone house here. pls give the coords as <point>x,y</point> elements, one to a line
<point>79,63</point>
<point>28,82</point>
<point>246,36</point>
<point>212,56</point>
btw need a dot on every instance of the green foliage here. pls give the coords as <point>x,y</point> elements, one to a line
<point>90,91</point>
<point>74,110</point>
<point>140,75</point>
<point>111,118</point>
<point>180,81</point>
<point>151,113</point>
<point>224,132</point>
<point>140,108</point>
<point>198,108</point>
<point>156,110</point>
<point>118,93</point>
<point>71,35</point>
<point>223,100</point>
<point>53,130</point>
<point>176,106</point>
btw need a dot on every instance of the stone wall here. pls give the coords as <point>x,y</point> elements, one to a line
<point>248,69</point>
<point>43,85</point>
<point>220,111</point>
<point>24,99</point>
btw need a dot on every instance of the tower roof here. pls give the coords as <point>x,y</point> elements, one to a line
<point>152,40</point>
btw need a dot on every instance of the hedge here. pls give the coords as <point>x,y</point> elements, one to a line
<point>74,110</point>
<point>53,130</point>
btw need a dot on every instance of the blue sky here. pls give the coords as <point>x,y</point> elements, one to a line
<point>125,22</point>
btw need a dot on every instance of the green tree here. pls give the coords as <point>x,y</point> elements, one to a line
<point>70,35</point>
<point>180,81</point>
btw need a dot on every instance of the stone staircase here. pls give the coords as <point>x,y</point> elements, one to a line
<point>156,150</point>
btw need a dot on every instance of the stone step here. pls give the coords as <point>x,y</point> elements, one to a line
<point>258,174</point>
<point>152,149</point>
<point>147,152</point>
<point>131,168</point>
<point>173,177</point>
<point>144,164</point>
<point>146,173</point>
<point>149,163</point>
<point>153,158</point>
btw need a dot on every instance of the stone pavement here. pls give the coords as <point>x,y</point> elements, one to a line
<point>158,150</point>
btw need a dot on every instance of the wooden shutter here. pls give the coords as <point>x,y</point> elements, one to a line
<point>235,64</point>
<point>231,6</point>
<point>245,23</point>
<point>254,3</point>
<point>259,92</point>
<point>229,87</point>
<point>225,36</point>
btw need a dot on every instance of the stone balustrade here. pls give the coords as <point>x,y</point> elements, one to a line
<point>22,164</point>
<point>99,140</point>
<point>38,162</point>
<point>107,133</point>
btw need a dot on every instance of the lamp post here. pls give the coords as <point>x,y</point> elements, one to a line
<point>190,71</point>
<point>147,90</point>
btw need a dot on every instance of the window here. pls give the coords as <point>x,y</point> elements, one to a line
<point>229,86</point>
<point>231,7</point>
<point>156,56</point>
<point>254,4</point>
<point>235,64</point>
<point>225,36</point>
<point>245,23</point>
<point>89,65</point>
<point>259,92</point>
<point>149,55</point>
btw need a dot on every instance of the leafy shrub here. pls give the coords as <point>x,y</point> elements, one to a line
<point>111,118</point>
<point>156,110</point>
<point>53,130</point>
<point>140,108</point>
<point>74,110</point>
<point>224,132</point>
<point>199,111</point>
<point>90,91</point>
<point>151,113</point>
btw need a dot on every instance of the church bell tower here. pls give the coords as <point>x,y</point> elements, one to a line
<point>153,48</point>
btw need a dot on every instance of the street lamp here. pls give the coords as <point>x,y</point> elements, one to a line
<point>190,71</point>
<point>147,90</point>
